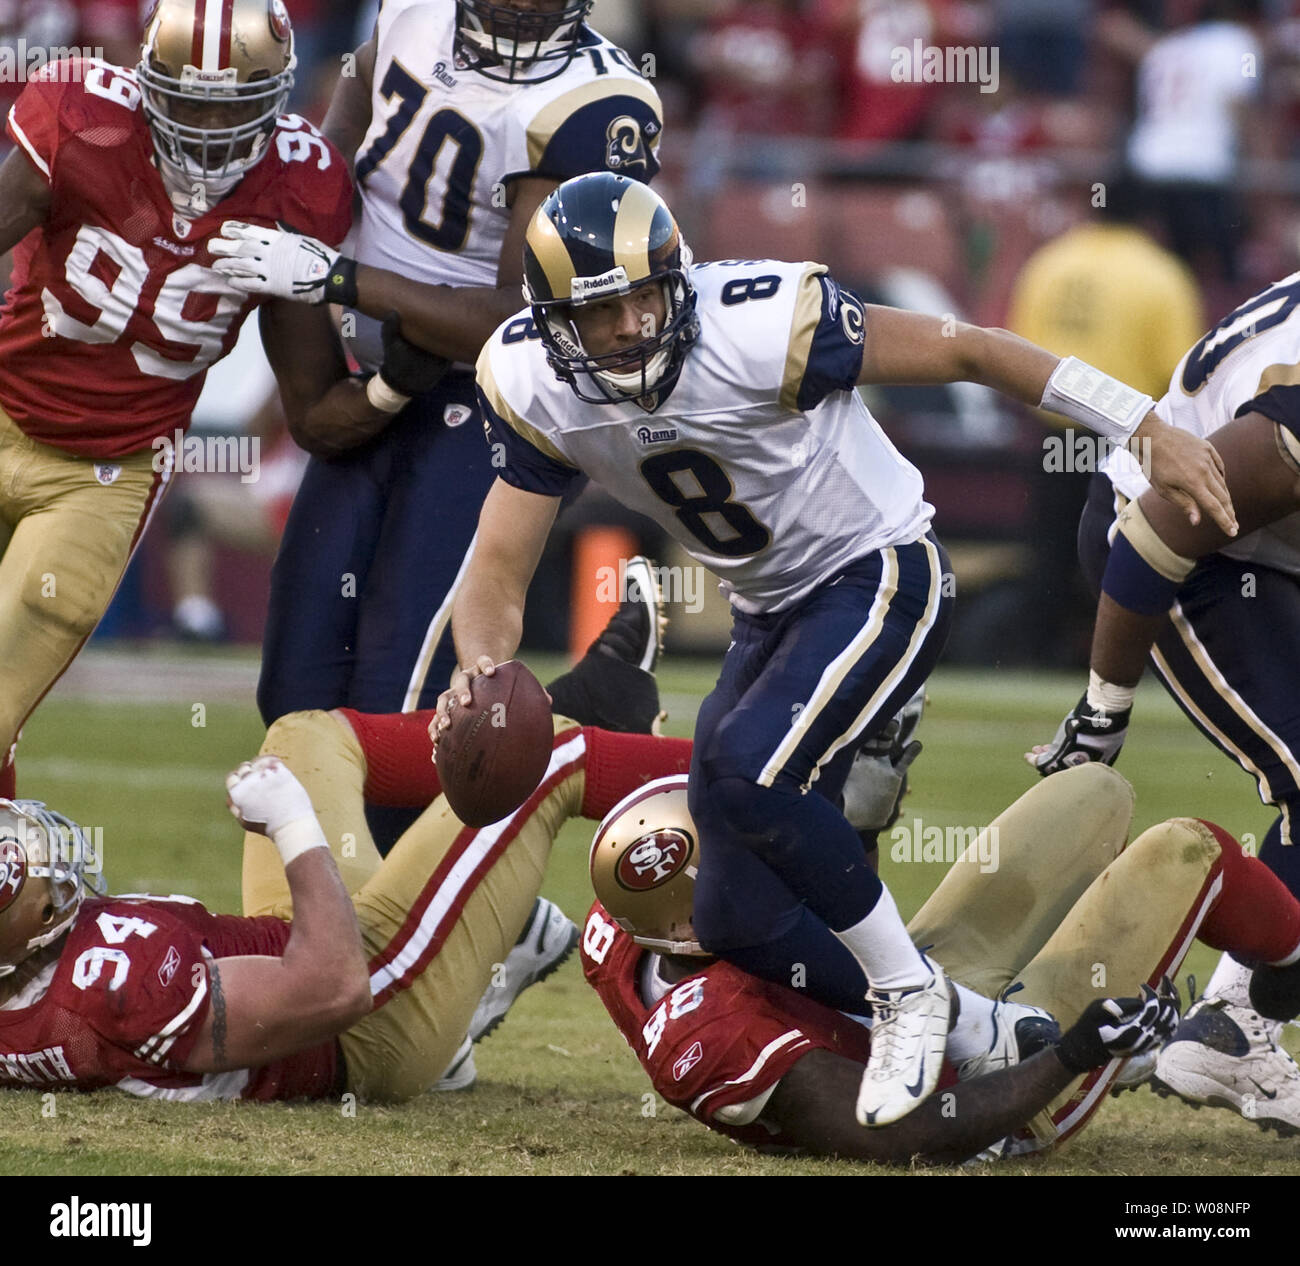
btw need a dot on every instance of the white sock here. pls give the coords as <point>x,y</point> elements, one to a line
<point>884,950</point>
<point>973,1033</point>
<point>1231,982</point>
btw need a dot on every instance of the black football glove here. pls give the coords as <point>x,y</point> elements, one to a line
<point>1087,734</point>
<point>407,368</point>
<point>1115,1028</point>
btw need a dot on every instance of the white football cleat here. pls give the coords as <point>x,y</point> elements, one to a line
<point>460,1074</point>
<point>909,1034</point>
<point>547,940</point>
<point>1226,1056</point>
<point>1019,1031</point>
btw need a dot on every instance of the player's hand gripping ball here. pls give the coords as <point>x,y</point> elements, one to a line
<point>495,752</point>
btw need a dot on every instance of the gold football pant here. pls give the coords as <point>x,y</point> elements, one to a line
<point>437,914</point>
<point>1068,917</point>
<point>68,525</point>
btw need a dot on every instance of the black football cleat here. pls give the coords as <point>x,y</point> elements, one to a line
<point>613,686</point>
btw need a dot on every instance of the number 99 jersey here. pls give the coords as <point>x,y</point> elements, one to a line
<point>763,461</point>
<point>1245,364</point>
<point>445,142</point>
<point>115,311</point>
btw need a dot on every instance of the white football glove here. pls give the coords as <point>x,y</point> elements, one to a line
<point>266,797</point>
<point>272,262</point>
<point>1087,734</point>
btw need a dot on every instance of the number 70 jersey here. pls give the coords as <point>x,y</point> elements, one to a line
<point>763,461</point>
<point>444,144</point>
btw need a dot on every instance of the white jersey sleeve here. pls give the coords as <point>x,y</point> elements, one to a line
<point>1248,363</point>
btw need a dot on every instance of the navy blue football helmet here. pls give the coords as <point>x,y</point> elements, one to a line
<point>516,46</point>
<point>598,236</point>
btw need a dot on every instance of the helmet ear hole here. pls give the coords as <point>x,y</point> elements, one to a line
<point>47,915</point>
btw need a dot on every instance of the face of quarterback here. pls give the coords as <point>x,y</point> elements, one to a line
<point>608,325</point>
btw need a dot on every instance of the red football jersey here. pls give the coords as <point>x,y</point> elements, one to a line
<point>123,1004</point>
<point>115,312</point>
<point>717,1039</point>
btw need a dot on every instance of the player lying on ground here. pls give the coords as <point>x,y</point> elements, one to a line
<point>1220,620</point>
<point>347,974</point>
<point>1063,919</point>
<point>721,400</point>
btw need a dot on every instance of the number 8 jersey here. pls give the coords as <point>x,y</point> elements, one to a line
<point>763,461</point>
<point>115,312</point>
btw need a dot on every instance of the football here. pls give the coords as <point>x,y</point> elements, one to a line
<point>496,750</point>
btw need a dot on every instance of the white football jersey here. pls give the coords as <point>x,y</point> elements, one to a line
<point>444,142</point>
<point>763,460</point>
<point>1249,362</point>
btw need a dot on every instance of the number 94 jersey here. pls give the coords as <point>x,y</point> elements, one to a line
<point>115,311</point>
<point>763,460</point>
<point>444,143</point>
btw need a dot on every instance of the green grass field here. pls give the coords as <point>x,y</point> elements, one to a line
<point>558,1091</point>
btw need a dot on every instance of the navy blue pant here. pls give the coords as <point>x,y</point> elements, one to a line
<point>372,548</point>
<point>799,691</point>
<point>1228,658</point>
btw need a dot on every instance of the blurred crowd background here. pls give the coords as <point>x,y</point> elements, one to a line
<point>1109,179</point>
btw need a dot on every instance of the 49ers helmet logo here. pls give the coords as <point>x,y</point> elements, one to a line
<point>13,871</point>
<point>279,17</point>
<point>653,859</point>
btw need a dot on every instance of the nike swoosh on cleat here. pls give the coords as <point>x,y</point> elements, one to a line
<point>1268,1094</point>
<point>915,1090</point>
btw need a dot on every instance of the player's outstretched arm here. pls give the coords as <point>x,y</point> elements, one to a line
<point>907,347</point>
<point>814,1102</point>
<point>264,1008</point>
<point>24,199</point>
<point>449,321</point>
<point>487,620</point>
<point>1154,551</point>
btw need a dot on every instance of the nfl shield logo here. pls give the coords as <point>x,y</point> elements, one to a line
<point>106,473</point>
<point>457,414</point>
<point>180,226</point>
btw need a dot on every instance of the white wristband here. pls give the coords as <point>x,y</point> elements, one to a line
<point>1103,404</point>
<point>300,836</point>
<point>383,397</point>
<point>1108,697</point>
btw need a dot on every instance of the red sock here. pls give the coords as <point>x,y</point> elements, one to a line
<point>8,781</point>
<point>1255,916</point>
<point>400,772</point>
<point>617,764</point>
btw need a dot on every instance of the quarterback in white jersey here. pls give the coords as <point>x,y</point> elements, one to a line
<point>721,400</point>
<point>461,118</point>
<point>1220,619</point>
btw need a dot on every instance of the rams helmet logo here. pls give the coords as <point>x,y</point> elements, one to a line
<point>625,147</point>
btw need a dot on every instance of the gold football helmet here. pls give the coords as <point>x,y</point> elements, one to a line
<point>43,859</point>
<point>214,74</point>
<point>643,863</point>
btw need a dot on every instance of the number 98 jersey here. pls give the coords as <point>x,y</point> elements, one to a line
<point>763,461</point>
<point>444,144</point>
<point>115,311</point>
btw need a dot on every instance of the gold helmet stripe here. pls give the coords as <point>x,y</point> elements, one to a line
<point>552,254</point>
<point>636,212</point>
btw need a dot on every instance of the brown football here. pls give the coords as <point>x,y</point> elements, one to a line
<point>494,754</point>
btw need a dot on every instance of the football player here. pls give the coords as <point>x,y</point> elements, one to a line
<point>719,399</point>
<point>1219,619</point>
<point>461,118</point>
<point>348,974</point>
<point>768,1066</point>
<point>117,179</point>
